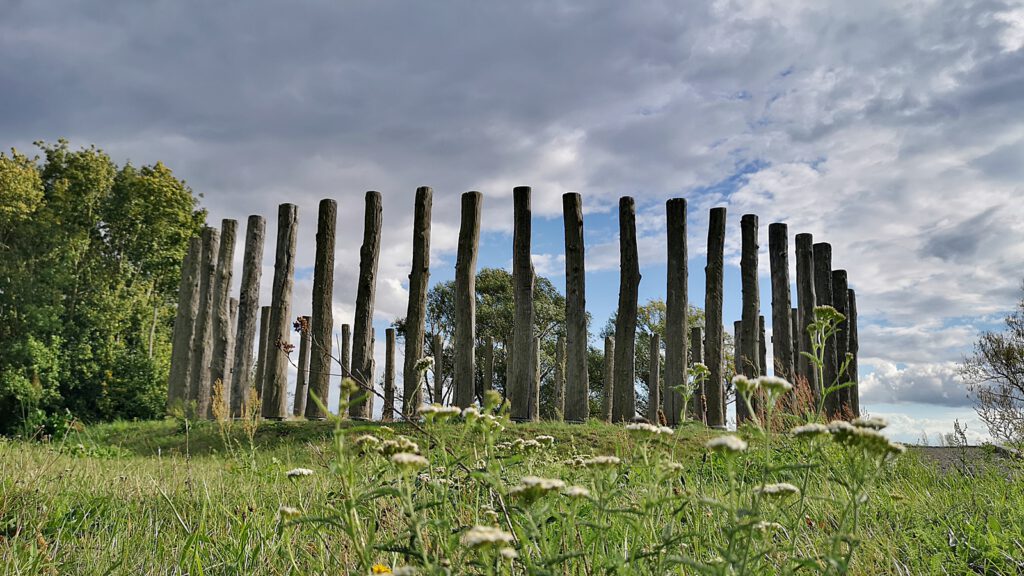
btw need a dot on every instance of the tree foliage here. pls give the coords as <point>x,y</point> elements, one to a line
<point>88,281</point>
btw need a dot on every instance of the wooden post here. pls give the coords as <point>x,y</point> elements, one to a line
<point>438,349</point>
<point>698,403</point>
<point>275,387</point>
<point>488,368</point>
<point>654,379</point>
<point>464,376</point>
<point>371,397</point>
<point>714,338</point>
<point>221,308</point>
<point>794,330</point>
<point>522,329</point>
<point>535,388</point>
<point>261,354</point>
<point>624,406</point>
<point>841,302</point>
<point>852,371</point>
<point>388,413</point>
<point>416,315</point>
<point>362,331</point>
<point>823,295</point>
<point>202,341</point>
<point>229,360</point>
<point>609,378</point>
<point>560,378</point>
<point>782,335</point>
<point>577,389</point>
<point>248,309</point>
<point>302,368</point>
<point>806,301</point>
<point>321,326</point>
<point>184,327</point>
<point>676,310</point>
<point>750,351</point>
<point>742,413</point>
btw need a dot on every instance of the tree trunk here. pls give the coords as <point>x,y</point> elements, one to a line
<point>464,377</point>
<point>840,301</point>
<point>750,352</point>
<point>362,331</point>
<point>522,329</point>
<point>609,378</point>
<point>624,406</point>
<point>852,373</point>
<point>676,311</point>
<point>806,301</point>
<point>322,318</point>
<point>248,309</point>
<point>698,404</point>
<point>302,369</point>
<point>560,378</point>
<point>184,327</point>
<point>388,413</point>
<point>220,370</point>
<point>782,336</point>
<point>415,318</point>
<point>438,349</point>
<point>654,379</point>
<point>275,388</point>
<point>577,389</point>
<point>202,342</point>
<point>823,295</point>
<point>262,347</point>
<point>713,331</point>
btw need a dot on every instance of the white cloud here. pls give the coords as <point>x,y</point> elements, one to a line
<point>935,383</point>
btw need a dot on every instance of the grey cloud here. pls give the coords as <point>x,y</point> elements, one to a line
<point>926,384</point>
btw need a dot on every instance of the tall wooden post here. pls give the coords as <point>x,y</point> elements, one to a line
<point>806,301</point>
<point>248,310</point>
<point>202,341</point>
<point>713,331</point>
<point>275,388</point>
<point>560,378</point>
<point>654,379</point>
<point>782,335</point>
<point>362,331</point>
<point>488,368</point>
<point>794,330</point>
<point>229,359</point>
<point>302,369</point>
<point>346,350</point>
<point>416,315</point>
<point>522,329</point>
<point>750,352</point>
<point>841,302</point>
<point>852,371</point>
<point>464,376</point>
<point>261,354</point>
<point>742,413</point>
<point>221,307</point>
<point>676,310</point>
<point>322,319</point>
<point>577,390</point>
<point>184,327</point>
<point>535,387</point>
<point>823,294</point>
<point>624,406</point>
<point>698,403</point>
<point>609,378</point>
<point>371,397</point>
<point>438,349</point>
<point>388,413</point>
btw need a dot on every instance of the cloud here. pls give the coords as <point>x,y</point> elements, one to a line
<point>935,383</point>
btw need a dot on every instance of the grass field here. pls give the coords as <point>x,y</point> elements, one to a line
<point>163,498</point>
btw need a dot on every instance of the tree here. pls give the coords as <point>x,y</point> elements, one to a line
<point>995,378</point>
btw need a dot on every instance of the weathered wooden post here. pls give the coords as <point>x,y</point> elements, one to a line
<point>841,302</point>
<point>438,349</point>
<point>654,379</point>
<point>750,351</point>
<point>609,378</point>
<point>221,308</point>
<point>362,332</point>
<point>248,309</point>
<point>782,326</point>
<point>464,376</point>
<point>698,403</point>
<point>321,327</point>
<point>416,315</point>
<point>535,386</point>
<point>577,390</point>
<point>302,368</point>
<point>522,329</point>
<point>275,387</point>
<point>371,397</point>
<point>559,378</point>
<point>676,310</point>
<point>488,367</point>
<point>852,373</point>
<point>202,341</point>
<point>742,413</point>
<point>762,350</point>
<point>229,360</point>
<point>823,296</point>
<point>624,405</point>
<point>388,413</point>
<point>794,331</point>
<point>184,327</point>
<point>261,354</point>
<point>713,331</point>
<point>806,301</point>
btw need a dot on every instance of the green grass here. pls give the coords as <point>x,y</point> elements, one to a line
<point>147,498</point>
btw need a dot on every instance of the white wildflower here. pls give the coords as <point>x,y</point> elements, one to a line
<point>809,430</point>
<point>874,423</point>
<point>407,461</point>
<point>296,472</point>
<point>545,439</point>
<point>483,536</point>
<point>725,444</point>
<point>531,487</point>
<point>763,526</point>
<point>774,384</point>
<point>424,364</point>
<point>601,462</point>
<point>508,553</point>
<point>744,385</point>
<point>666,430</point>
<point>287,512</point>
<point>400,444</point>
<point>576,492</point>
<point>367,442</point>
<point>642,427</point>
<point>781,489</point>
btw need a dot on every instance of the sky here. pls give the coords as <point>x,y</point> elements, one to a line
<point>892,130</point>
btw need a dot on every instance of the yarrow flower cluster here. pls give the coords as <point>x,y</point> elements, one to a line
<point>600,462</point>
<point>288,512</point>
<point>576,492</point>
<point>532,487</point>
<point>545,439</point>
<point>424,364</point>
<point>297,472</point>
<point>869,440</point>
<point>407,462</point>
<point>439,412</point>
<point>726,444</point>
<point>486,536</point>
<point>809,431</point>
<point>779,490</point>
<point>874,423</point>
<point>774,384</point>
<point>744,385</point>
<point>649,428</point>
<point>400,444</point>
